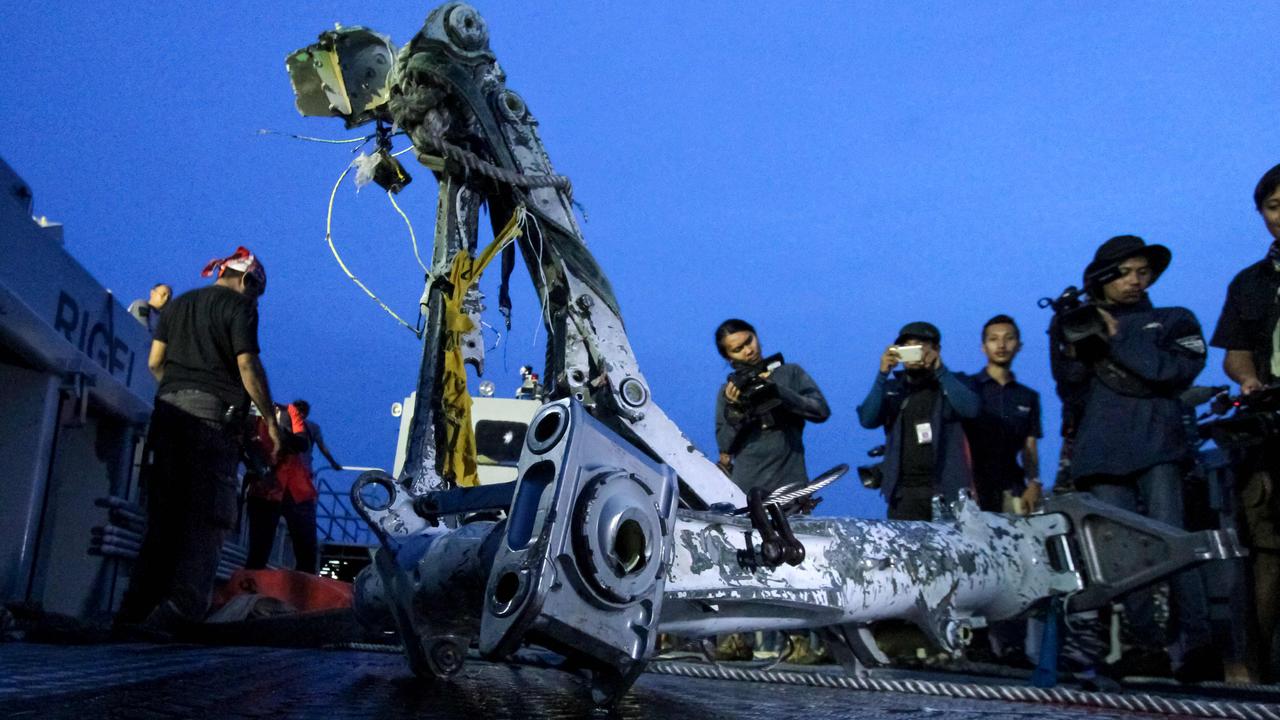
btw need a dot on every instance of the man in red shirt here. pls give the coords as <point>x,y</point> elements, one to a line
<point>285,491</point>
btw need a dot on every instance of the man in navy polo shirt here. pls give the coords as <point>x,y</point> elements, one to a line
<point>1007,426</point>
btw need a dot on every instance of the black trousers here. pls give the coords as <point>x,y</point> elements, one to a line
<point>264,516</point>
<point>189,479</point>
<point>911,502</point>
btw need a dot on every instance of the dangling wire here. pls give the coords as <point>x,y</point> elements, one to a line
<point>412,237</point>
<point>543,292</point>
<point>497,335</point>
<point>359,142</point>
<point>328,236</point>
<point>308,138</point>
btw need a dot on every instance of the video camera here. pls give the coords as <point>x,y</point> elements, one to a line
<point>1250,420</point>
<point>758,395</point>
<point>872,476</point>
<point>1080,325</point>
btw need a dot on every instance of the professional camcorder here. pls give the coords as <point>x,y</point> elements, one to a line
<point>1079,324</point>
<point>758,395</point>
<point>1247,420</point>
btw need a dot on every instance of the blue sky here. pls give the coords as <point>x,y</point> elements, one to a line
<point>828,171</point>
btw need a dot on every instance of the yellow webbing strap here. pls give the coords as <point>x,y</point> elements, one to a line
<point>460,439</point>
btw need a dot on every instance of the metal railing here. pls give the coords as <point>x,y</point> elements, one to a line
<point>336,521</point>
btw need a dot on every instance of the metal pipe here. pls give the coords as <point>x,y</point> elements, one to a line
<point>856,571</point>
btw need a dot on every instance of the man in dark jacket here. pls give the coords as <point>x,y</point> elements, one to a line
<point>1124,363</point>
<point>763,446</point>
<point>920,409</point>
<point>1249,330</point>
<point>205,360</point>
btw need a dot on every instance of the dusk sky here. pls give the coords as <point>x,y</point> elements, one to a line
<point>827,171</point>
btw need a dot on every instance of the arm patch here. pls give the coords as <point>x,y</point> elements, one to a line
<point>1194,343</point>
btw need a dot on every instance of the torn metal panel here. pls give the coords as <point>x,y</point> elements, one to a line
<point>343,74</point>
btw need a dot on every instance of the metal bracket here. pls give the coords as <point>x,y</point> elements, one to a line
<point>587,545</point>
<point>439,503</point>
<point>1120,551</point>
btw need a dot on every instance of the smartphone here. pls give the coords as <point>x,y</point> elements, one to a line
<point>910,353</point>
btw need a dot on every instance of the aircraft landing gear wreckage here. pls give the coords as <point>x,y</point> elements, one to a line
<point>616,527</point>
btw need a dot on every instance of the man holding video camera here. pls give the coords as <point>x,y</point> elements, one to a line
<point>920,409</point>
<point>1122,363</point>
<point>761,412</point>
<point>1249,330</point>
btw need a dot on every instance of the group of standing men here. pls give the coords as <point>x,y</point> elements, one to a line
<point>205,358</point>
<point>1120,364</point>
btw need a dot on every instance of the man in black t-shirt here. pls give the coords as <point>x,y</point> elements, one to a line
<point>1249,330</point>
<point>1007,428</point>
<point>205,359</point>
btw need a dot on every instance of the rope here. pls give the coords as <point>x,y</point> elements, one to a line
<point>328,236</point>
<point>1010,693</point>
<point>365,647</point>
<point>1013,693</point>
<point>473,163</point>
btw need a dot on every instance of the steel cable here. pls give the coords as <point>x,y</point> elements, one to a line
<point>1063,696</point>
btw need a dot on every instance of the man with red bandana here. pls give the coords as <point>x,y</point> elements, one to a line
<point>205,360</point>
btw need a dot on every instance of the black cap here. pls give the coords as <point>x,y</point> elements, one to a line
<point>919,330</point>
<point>1120,248</point>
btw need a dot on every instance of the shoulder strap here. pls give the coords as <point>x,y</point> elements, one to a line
<point>1122,380</point>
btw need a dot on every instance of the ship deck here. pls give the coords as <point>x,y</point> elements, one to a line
<point>189,681</point>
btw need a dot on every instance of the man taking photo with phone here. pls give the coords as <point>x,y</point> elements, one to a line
<point>920,408</point>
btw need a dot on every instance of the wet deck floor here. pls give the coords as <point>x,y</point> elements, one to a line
<point>184,681</point>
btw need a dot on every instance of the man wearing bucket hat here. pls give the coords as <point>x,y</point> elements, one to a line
<point>205,360</point>
<point>920,408</point>
<point>1124,363</point>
